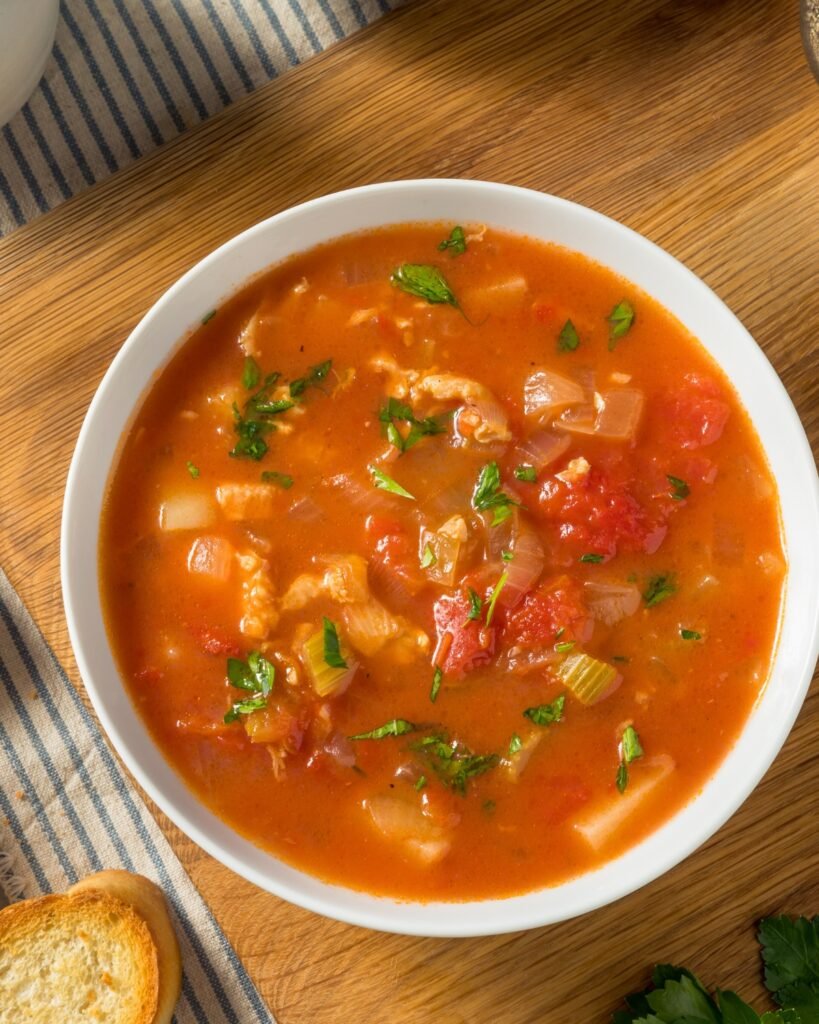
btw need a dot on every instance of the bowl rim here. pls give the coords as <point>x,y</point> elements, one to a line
<point>641,864</point>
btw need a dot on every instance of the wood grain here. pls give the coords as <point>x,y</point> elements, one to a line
<point>692,121</point>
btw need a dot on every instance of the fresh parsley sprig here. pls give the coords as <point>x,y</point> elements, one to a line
<point>488,495</point>
<point>399,412</point>
<point>256,675</point>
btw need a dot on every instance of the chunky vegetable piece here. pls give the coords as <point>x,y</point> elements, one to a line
<point>424,556</point>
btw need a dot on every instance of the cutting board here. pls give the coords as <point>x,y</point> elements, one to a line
<point>694,123</point>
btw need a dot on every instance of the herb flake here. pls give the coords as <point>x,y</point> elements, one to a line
<point>192,469</point>
<point>395,727</point>
<point>437,679</point>
<point>679,488</point>
<point>568,339</point>
<point>283,480</point>
<point>456,243</point>
<point>425,282</point>
<point>659,589</point>
<point>332,646</point>
<point>526,473</point>
<point>386,483</point>
<point>546,714</point>
<point>488,495</point>
<point>620,320</point>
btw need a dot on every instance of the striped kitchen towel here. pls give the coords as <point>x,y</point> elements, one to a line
<point>126,76</point>
<point>67,809</point>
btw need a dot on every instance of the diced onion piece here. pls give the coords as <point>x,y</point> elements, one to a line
<point>589,679</point>
<point>580,419</point>
<point>601,824</point>
<point>483,420</point>
<point>187,512</point>
<point>445,543</point>
<point>246,501</point>
<point>546,393</point>
<point>370,627</point>
<point>542,448</point>
<point>611,602</point>
<point>327,680</point>
<point>211,556</point>
<point>513,764</point>
<point>524,570</point>
<point>618,415</point>
<point>404,823</point>
<point>499,296</point>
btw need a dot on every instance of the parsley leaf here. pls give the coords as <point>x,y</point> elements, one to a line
<point>315,375</point>
<point>690,634</point>
<point>395,410</point>
<point>251,443</point>
<point>515,744</point>
<point>660,588</point>
<point>528,474</point>
<point>790,950</point>
<point>386,483</point>
<point>592,557</point>
<point>453,762</point>
<point>679,488</point>
<point>488,495</point>
<point>546,714</point>
<point>630,750</point>
<point>564,647</point>
<point>620,320</point>
<point>425,282</point>
<point>332,647</point>
<point>419,785</point>
<point>493,597</point>
<point>475,605</point>
<point>568,339</point>
<point>284,480</point>
<point>250,373</point>
<point>428,558</point>
<point>255,675</point>
<point>437,679</point>
<point>395,727</point>
<point>456,242</point>
<point>193,470</point>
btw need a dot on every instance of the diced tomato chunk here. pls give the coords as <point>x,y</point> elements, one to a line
<point>393,557</point>
<point>214,640</point>
<point>463,643</point>
<point>697,412</point>
<point>554,606</point>
<point>598,514</point>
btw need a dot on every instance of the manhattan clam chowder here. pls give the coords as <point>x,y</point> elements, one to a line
<point>442,563</point>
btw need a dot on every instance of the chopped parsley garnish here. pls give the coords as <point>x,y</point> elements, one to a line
<point>244,707</point>
<point>250,373</point>
<point>475,605</point>
<point>592,557</point>
<point>690,634</point>
<point>395,410</point>
<point>488,494</point>
<point>428,558</point>
<point>546,714</point>
<point>564,647</point>
<point>395,727</point>
<point>208,316</point>
<point>315,375</point>
<point>493,597</point>
<point>453,762</point>
<point>284,480</point>
<point>528,474</point>
<point>386,483</point>
<point>630,750</point>
<point>419,785</point>
<point>193,470</point>
<point>437,679</point>
<point>679,488</point>
<point>515,744</point>
<point>560,632</point>
<point>256,675</point>
<point>488,807</point>
<point>456,243</point>
<point>620,658</point>
<point>507,556</point>
<point>425,282</point>
<point>659,589</point>
<point>620,320</point>
<point>251,443</point>
<point>332,647</point>
<point>568,340</point>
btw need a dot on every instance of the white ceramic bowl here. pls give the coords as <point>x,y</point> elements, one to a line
<point>541,216</point>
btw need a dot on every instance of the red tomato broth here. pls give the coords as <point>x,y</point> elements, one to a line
<point>172,630</point>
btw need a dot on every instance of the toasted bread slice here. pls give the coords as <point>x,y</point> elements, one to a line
<point>88,956</point>
<point>148,901</point>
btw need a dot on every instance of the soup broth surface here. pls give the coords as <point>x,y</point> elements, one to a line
<point>442,573</point>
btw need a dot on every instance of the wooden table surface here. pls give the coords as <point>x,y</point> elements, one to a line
<point>692,121</point>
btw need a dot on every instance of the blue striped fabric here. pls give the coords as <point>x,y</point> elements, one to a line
<point>126,76</point>
<point>67,809</point>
